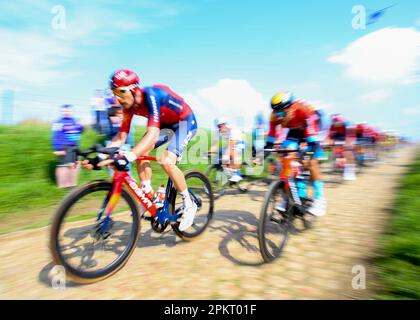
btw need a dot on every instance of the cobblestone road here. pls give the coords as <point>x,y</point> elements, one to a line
<point>225,263</point>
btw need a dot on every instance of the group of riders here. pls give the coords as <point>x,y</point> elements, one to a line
<point>293,124</point>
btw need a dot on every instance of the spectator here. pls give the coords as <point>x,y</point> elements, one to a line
<point>65,136</point>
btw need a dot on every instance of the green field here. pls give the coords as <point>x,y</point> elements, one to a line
<point>399,261</point>
<point>27,183</point>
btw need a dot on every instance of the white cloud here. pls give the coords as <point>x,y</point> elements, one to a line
<point>237,100</point>
<point>323,105</point>
<point>386,55</point>
<point>34,53</point>
<point>375,96</point>
<point>28,57</point>
<point>415,111</point>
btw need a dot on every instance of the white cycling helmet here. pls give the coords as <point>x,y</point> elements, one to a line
<point>219,121</point>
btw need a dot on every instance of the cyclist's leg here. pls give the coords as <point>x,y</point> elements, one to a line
<point>177,145</point>
<point>314,152</point>
<point>292,144</point>
<point>236,161</point>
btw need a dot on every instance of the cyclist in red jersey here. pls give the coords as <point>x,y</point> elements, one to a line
<point>345,132</point>
<point>170,120</point>
<point>302,121</point>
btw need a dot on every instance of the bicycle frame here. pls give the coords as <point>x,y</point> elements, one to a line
<point>120,178</point>
<point>287,175</point>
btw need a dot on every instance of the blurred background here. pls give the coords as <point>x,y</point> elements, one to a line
<point>226,58</point>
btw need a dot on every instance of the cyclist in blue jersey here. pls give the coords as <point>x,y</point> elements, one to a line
<point>170,120</point>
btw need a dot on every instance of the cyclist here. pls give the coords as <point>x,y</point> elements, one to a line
<point>344,132</point>
<point>302,120</point>
<point>232,153</point>
<point>366,140</point>
<point>164,109</point>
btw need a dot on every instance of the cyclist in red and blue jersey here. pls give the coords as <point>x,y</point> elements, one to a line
<point>303,122</point>
<point>342,131</point>
<point>169,120</point>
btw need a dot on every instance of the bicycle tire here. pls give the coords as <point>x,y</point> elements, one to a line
<point>58,259</point>
<point>266,217</point>
<point>172,198</point>
<point>217,191</point>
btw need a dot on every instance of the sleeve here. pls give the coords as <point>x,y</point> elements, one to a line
<point>312,123</point>
<point>153,108</point>
<point>126,121</point>
<point>57,136</point>
<point>236,134</point>
<point>271,136</point>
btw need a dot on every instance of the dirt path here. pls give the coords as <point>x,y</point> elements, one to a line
<point>225,263</point>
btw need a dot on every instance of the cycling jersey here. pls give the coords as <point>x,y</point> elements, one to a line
<point>233,134</point>
<point>65,133</point>
<point>302,123</point>
<point>166,110</point>
<point>364,132</point>
<point>160,105</point>
<point>341,131</point>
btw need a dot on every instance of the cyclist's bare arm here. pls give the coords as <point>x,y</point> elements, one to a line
<point>119,140</point>
<point>147,143</point>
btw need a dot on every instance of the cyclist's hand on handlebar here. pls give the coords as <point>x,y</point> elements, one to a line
<point>96,163</point>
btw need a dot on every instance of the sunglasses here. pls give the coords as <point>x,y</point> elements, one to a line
<point>280,113</point>
<point>119,92</point>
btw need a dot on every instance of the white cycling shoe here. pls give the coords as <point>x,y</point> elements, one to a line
<point>187,218</point>
<point>318,208</point>
<point>349,176</point>
<point>281,206</point>
<point>235,178</point>
<point>349,173</point>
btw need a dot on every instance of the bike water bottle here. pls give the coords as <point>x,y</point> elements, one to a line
<point>160,196</point>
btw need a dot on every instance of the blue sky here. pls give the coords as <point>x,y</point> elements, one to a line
<point>226,57</point>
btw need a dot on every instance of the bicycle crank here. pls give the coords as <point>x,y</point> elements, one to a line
<point>159,227</point>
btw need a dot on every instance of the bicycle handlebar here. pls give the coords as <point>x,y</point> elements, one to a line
<point>95,149</point>
<point>109,151</point>
<point>281,150</point>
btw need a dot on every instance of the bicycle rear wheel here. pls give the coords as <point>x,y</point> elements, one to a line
<point>273,227</point>
<point>201,193</point>
<point>87,243</point>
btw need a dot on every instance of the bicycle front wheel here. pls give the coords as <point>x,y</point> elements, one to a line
<point>274,225</point>
<point>218,180</point>
<point>88,244</point>
<point>201,193</point>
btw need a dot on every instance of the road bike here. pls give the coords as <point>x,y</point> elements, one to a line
<point>274,225</point>
<point>219,175</point>
<point>97,226</point>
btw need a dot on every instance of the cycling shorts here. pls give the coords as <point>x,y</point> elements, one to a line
<point>178,135</point>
